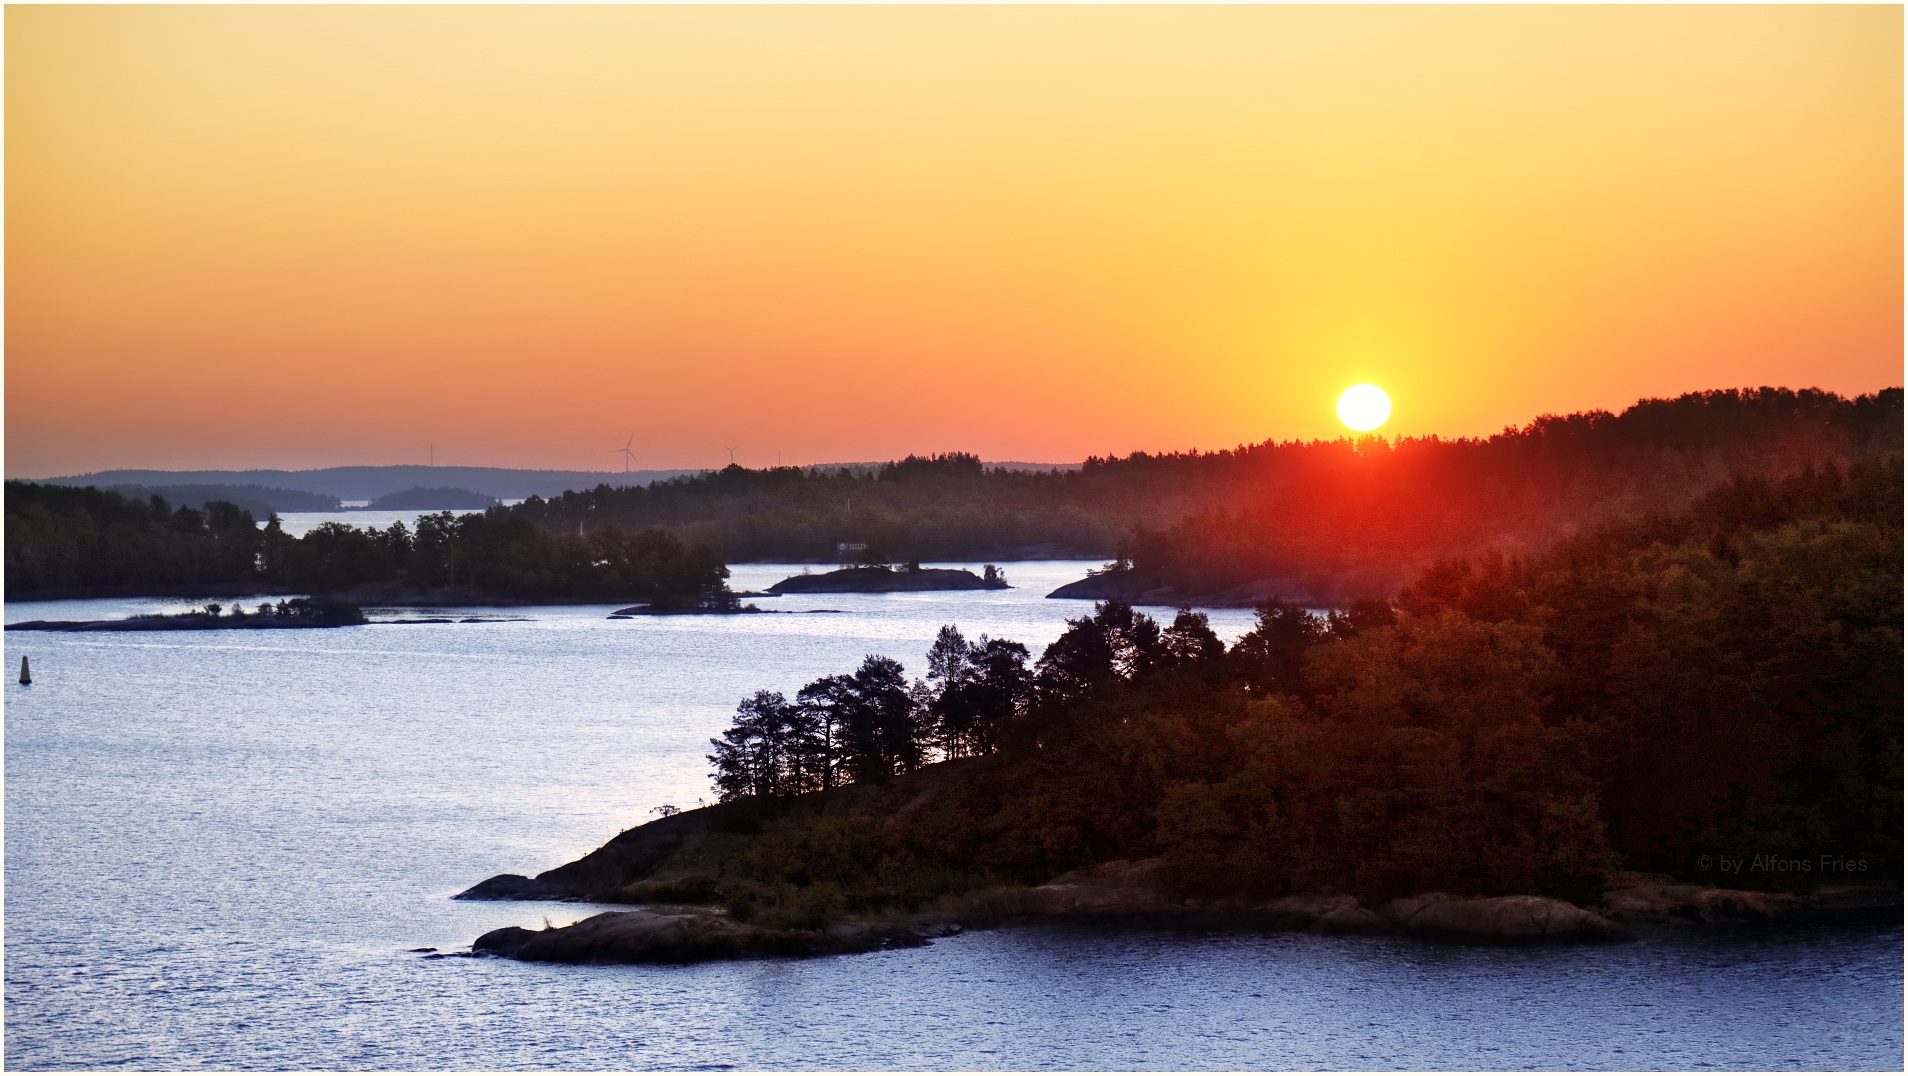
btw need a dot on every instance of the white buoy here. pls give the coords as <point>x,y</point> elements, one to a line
<point>26,674</point>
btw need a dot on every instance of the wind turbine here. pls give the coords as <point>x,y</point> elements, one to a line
<point>732,454</point>
<point>627,454</point>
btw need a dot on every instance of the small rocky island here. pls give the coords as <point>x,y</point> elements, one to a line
<point>881,579</point>
<point>294,613</point>
<point>1121,583</point>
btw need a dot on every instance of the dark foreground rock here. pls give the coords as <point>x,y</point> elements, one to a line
<point>1338,914</point>
<point>886,581</point>
<point>677,870</point>
<point>515,887</point>
<point>1498,919</point>
<point>1123,891</point>
<point>686,936</point>
<point>1663,900</point>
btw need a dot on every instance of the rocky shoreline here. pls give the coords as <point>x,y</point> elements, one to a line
<point>1137,589</point>
<point>671,935</point>
<point>878,580</point>
<point>660,870</point>
<point>298,614</point>
<point>206,622</point>
<point>154,623</point>
<point>680,934</point>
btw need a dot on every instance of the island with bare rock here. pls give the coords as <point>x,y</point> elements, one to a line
<point>292,613</point>
<point>881,579</point>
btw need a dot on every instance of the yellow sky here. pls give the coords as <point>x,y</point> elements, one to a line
<point>303,236</point>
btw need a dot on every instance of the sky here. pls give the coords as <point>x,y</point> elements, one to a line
<point>290,237</point>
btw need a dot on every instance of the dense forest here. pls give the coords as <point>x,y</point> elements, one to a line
<point>1725,681</point>
<point>1345,517</point>
<point>945,507</point>
<point>1361,518</point>
<point>67,541</point>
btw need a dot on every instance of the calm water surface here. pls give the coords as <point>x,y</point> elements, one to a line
<point>220,845</point>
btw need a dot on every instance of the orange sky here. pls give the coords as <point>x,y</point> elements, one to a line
<point>305,236</point>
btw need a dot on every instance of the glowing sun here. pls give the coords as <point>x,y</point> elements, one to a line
<point>1364,407</point>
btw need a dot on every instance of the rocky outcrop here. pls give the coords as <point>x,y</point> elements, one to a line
<point>191,622</point>
<point>1139,589</point>
<point>687,936</point>
<point>1127,891</point>
<point>1321,914</point>
<point>1498,919</point>
<point>516,887</point>
<point>878,580</point>
<point>1662,903</point>
<point>650,610</point>
<point>1123,891</point>
<point>676,869</point>
<point>632,857</point>
<point>1074,901</point>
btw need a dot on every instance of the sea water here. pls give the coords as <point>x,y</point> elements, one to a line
<point>222,846</point>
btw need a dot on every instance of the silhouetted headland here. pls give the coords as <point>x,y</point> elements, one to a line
<point>1687,717</point>
<point>671,872</point>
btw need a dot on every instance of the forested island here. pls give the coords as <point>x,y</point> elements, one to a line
<point>66,542</point>
<point>287,613</point>
<point>1517,747</point>
<point>1333,520</point>
<point>882,579</point>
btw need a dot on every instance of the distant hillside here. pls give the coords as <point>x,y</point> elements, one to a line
<point>1332,519</point>
<point>261,501</point>
<point>873,466</point>
<point>371,483</point>
<point>82,542</point>
<point>427,499</point>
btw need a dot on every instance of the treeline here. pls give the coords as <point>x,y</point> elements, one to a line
<point>1721,681</point>
<point>69,541</point>
<point>944,507</point>
<point>1348,516</point>
<point>1362,518</point>
<point>980,697</point>
<point>261,501</point>
<point>305,610</point>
